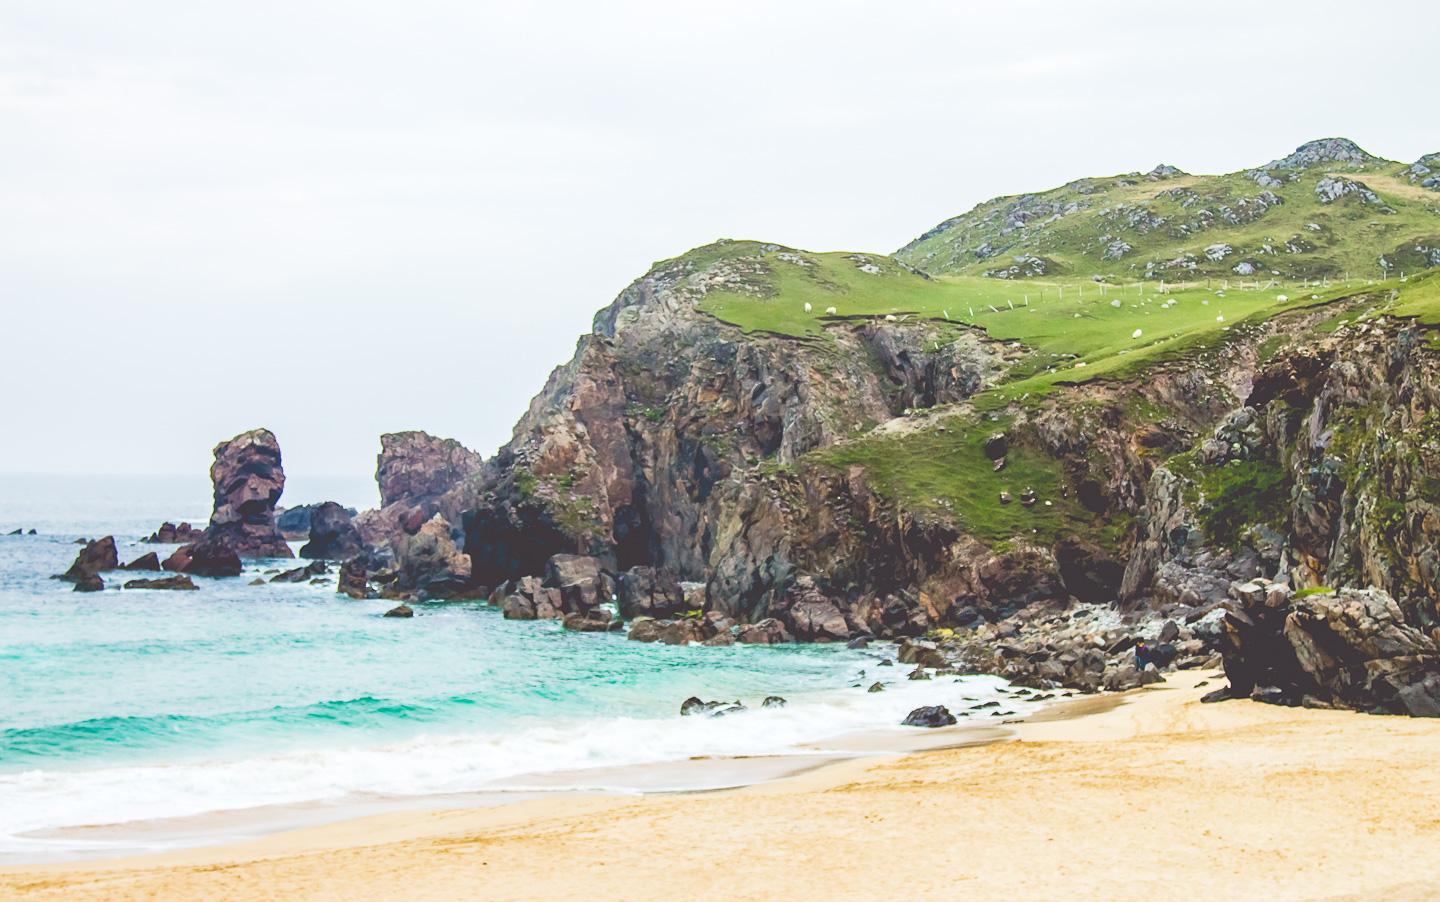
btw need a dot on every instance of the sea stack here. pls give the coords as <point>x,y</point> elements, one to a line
<point>248,479</point>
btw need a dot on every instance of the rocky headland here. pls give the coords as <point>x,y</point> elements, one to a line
<point>730,458</point>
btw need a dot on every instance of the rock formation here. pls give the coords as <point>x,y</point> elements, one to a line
<point>419,476</point>
<point>170,534</point>
<point>248,480</point>
<point>96,557</point>
<point>333,535</point>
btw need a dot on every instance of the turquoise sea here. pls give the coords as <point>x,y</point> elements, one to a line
<point>132,706</point>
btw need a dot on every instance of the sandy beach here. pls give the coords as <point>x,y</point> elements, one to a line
<point>1158,796</point>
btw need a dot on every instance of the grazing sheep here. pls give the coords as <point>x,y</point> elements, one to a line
<point>1116,303</point>
<point>1135,334</point>
<point>830,311</point>
<point>808,308</point>
<point>889,317</point>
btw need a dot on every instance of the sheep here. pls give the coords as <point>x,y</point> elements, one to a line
<point>889,317</point>
<point>1136,334</point>
<point>808,308</point>
<point>830,311</point>
<point>1116,304</point>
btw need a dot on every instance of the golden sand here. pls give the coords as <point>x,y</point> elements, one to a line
<point>1157,798</point>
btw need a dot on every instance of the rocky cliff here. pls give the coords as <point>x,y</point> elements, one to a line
<point>761,443</point>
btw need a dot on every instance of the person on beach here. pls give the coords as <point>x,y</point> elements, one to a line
<point>1142,655</point>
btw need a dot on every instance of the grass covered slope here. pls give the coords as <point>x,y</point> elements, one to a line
<point>1327,210</point>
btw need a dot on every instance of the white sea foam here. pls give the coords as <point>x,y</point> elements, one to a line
<point>40,801</point>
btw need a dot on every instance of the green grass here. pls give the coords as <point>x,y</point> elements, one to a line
<point>1072,328</point>
<point>946,474</point>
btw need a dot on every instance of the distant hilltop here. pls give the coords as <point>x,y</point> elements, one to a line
<point>1325,210</point>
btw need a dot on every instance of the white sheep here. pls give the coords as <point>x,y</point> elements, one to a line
<point>1220,318</point>
<point>830,311</point>
<point>808,308</point>
<point>1136,334</point>
<point>1282,298</point>
<point>1116,304</point>
<point>889,317</point>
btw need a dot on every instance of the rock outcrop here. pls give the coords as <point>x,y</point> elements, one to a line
<point>1349,648</point>
<point>419,476</point>
<point>429,564</point>
<point>207,557</point>
<point>96,557</point>
<point>170,534</point>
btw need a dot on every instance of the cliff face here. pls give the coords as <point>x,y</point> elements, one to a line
<point>760,465</point>
<point>670,440</point>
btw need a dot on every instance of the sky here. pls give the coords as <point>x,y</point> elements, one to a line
<point>337,219</point>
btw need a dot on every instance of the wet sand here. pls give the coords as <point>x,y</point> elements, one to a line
<point>1157,796</point>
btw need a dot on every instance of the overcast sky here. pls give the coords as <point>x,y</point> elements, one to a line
<point>341,219</point>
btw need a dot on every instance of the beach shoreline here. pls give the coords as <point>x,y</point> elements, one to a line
<point>1158,794</point>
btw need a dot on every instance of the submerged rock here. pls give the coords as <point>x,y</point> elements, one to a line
<point>179,581</point>
<point>400,610</point>
<point>89,583</point>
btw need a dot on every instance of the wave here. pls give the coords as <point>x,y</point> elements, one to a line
<point>476,760</point>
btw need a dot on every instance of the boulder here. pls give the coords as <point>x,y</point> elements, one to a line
<point>333,535</point>
<point>583,583</point>
<point>98,556</point>
<point>649,592</point>
<point>773,701</point>
<point>997,446</point>
<point>147,561</point>
<point>400,610</point>
<point>694,705</point>
<point>768,631</point>
<point>929,716</point>
<point>921,652</point>
<point>89,583</point>
<point>179,581</point>
<point>207,557</point>
<point>354,579</point>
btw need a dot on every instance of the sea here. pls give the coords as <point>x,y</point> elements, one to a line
<point>134,720</point>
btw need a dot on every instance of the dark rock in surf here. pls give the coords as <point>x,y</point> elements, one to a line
<point>98,556</point>
<point>929,716</point>
<point>147,561</point>
<point>177,582</point>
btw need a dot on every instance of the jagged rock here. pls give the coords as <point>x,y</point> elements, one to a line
<point>89,583</point>
<point>179,581</point>
<point>147,561</point>
<point>773,701</point>
<point>1351,648</point>
<point>333,535</point>
<point>248,479</point>
<point>876,687</point>
<point>170,534</point>
<point>98,556</point>
<point>429,562</point>
<point>400,610</point>
<point>929,716</point>
<point>414,466</point>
